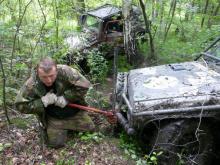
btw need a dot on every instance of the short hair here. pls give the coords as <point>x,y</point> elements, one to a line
<point>46,64</point>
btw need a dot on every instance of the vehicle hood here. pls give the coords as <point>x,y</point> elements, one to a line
<point>186,84</point>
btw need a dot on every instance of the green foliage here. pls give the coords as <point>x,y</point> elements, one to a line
<point>96,99</point>
<point>180,160</point>
<point>65,162</point>
<point>20,123</point>
<point>87,162</point>
<point>64,158</point>
<point>153,158</point>
<point>123,66</point>
<point>131,147</point>
<point>106,48</point>
<point>98,66</point>
<point>177,49</point>
<point>86,136</point>
<point>26,39</point>
<point>4,146</point>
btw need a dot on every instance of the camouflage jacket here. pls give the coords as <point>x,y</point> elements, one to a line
<point>69,83</point>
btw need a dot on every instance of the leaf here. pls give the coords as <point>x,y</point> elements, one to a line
<point>161,152</point>
<point>6,145</point>
<point>126,152</point>
<point>153,158</point>
<point>133,156</point>
<point>1,148</point>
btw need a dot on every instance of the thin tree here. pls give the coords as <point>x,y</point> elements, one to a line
<point>18,25</point>
<point>172,10</point>
<point>217,9</point>
<point>129,40</point>
<point>33,48</point>
<point>154,10</point>
<point>214,14</point>
<point>205,12</point>
<point>162,4</point>
<point>147,26</point>
<point>79,7</point>
<point>3,91</point>
<point>56,18</point>
<point>209,22</point>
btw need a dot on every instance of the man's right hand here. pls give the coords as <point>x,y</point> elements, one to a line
<point>48,99</point>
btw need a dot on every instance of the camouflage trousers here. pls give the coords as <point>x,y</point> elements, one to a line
<point>57,128</point>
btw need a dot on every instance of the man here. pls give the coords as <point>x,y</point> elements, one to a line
<point>47,93</point>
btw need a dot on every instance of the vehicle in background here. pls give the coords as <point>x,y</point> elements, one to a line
<point>101,25</point>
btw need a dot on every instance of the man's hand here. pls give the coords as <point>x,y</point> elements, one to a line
<point>48,99</point>
<point>61,102</point>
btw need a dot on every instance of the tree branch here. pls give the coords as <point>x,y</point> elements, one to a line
<point>17,31</point>
<point>40,35</point>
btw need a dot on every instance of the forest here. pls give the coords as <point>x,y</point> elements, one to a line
<point>160,32</point>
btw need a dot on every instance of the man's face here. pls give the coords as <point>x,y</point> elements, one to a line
<point>48,78</point>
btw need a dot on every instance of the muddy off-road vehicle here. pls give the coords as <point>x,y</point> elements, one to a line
<point>104,24</point>
<point>174,108</point>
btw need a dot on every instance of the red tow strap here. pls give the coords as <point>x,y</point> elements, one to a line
<point>110,115</point>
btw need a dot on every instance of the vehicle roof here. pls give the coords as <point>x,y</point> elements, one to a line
<point>104,11</point>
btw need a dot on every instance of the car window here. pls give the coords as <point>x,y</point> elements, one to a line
<point>92,22</point>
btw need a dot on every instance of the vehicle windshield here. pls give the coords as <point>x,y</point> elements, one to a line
<point>92,22</point>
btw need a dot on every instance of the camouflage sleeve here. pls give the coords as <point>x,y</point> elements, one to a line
<point>79,86</point>
<point>27,102</point>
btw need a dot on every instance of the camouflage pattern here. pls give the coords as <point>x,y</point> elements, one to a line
<point>69,83</point>
<point>57,129</point>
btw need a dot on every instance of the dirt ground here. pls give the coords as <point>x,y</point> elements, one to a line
<point>20,143</point>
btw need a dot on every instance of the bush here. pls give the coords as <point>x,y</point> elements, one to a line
<point>98,66</point>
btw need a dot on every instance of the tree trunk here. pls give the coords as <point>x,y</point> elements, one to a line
<point>192,13</point>
<point>129,43</point>
<point>56,17</point>
<point>204,13</point>
<point>3,91</point>
<point>38,40</point>
<point>162,4</point>
<point>154,10</point>
<point>217,9</point>
<point>79,8</point>
<point>21,16</point>
<point>172,9</point>
<point>209,22</point>
<point>147,25</point>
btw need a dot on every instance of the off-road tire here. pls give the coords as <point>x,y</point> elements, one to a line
<point>183,142</point>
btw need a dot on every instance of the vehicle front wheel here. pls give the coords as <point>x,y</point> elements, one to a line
<point>184,142</point>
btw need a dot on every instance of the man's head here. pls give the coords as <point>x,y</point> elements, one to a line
<point>47,71</point>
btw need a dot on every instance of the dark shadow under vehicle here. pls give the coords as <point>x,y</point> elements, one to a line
<point>174,108</point>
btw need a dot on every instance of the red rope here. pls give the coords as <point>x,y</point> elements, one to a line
<point>90,109</point>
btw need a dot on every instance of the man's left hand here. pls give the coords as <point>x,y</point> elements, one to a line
<point>61,102</point>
